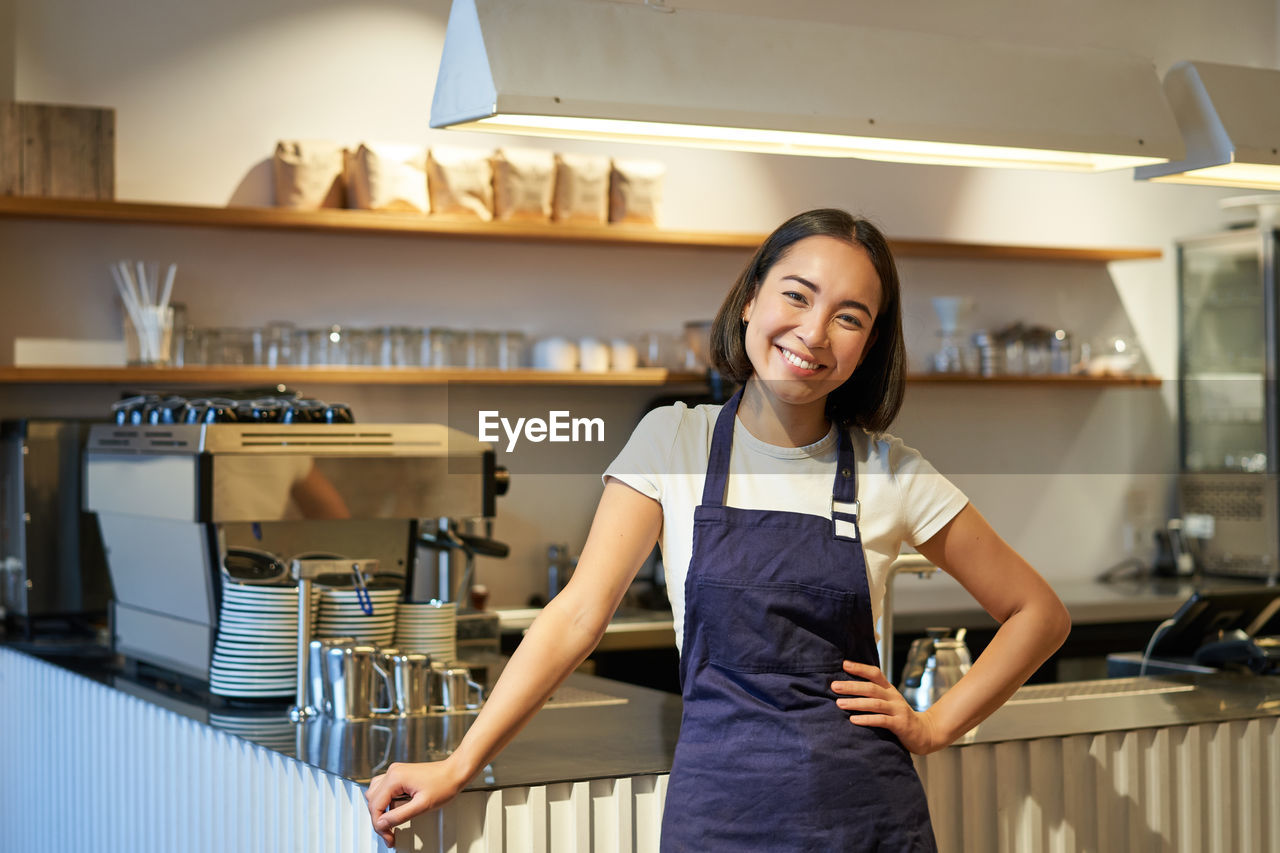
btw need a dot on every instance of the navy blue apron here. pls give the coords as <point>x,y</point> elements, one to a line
<point>774,602</point>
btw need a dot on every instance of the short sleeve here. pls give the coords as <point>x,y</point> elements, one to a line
<point>647,455</point>
<point>929,500</point>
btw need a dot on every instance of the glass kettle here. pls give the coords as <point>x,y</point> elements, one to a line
<point>934,664</point>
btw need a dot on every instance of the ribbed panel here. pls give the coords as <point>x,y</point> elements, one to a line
<point>86,767</point>
<point>1211,788</point>
<point>604,815</point>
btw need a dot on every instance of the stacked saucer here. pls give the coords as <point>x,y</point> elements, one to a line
<point>342,615</point>
<point>431,629</point>
<point>255,654</point>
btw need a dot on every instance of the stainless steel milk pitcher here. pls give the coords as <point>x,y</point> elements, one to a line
<point>319,696</point>
<point>410,674</point>
<point>354,675</point>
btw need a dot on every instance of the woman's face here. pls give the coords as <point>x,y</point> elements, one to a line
<point>810,324</point>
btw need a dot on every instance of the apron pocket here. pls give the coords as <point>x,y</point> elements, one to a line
<point>775,627</point>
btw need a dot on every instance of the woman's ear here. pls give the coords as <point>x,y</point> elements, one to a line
<point>746,310</point>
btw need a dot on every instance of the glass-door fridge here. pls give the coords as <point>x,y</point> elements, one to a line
<point>1228,427</point>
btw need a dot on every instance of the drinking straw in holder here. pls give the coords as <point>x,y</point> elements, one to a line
<point>146,301</point>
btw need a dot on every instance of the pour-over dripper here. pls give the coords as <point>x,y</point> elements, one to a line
<point>949,309</point>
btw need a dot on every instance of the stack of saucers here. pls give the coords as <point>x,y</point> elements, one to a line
<point>255,655</point>
<point>342,615</point>
<point>430,628</point>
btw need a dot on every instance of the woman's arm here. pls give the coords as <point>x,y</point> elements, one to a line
<point>623,533</point>
<point>1033,624</point>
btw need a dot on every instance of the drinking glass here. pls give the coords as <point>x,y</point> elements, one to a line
<point>481,349</point>
<point>511,350</point>
<point>278,344</point>
<point>447,349</point>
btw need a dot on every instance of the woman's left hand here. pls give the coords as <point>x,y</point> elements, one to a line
<point>875,702</point>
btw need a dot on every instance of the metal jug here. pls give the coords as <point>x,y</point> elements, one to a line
<point>454,690</point>
<point>319,692</point>
<point>934,664</point>
<point>354,675</point>
<point>410,680</point>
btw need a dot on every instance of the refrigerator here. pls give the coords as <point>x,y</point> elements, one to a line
<point>1229,432</point>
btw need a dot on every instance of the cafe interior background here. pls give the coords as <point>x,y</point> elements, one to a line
<point>1076,478</point>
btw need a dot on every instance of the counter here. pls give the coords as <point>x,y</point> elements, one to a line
<point>940,600</point>
<point>107,761</point>
<point>162,765</point>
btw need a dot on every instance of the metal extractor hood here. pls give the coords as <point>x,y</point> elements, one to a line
<point>626,71</point>
<point>1230,121</point>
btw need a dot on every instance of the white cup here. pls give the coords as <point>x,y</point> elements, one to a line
<point>555,353</point>
<point>593,355</point>
<point>623,354</point>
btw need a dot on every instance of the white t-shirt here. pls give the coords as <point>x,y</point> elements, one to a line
<point>903,498</point>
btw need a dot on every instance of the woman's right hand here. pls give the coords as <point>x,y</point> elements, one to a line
<point>428,786</point>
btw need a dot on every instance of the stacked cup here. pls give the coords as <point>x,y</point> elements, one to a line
<point>429,629</point>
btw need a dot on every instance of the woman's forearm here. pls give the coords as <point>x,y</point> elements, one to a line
<point>559,640</point>
<point>1024,641</point>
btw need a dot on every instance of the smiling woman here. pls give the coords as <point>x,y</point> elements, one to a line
<point>778,515</point>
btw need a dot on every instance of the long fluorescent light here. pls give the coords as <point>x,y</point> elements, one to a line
<point>1229,116</point>
<point>619,71</point>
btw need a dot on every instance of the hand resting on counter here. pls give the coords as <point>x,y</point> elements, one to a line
<point>426,786</point>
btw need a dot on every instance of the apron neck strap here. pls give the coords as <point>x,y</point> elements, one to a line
<point>717,478</point>
<point>845,489</point>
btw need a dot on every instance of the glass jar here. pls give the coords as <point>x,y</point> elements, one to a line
<point>511,350</point>
<point>481,349</point>
<point>446,348</point>
<point>229,347</point>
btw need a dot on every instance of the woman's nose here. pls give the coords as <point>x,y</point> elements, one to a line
<point>813,332</point>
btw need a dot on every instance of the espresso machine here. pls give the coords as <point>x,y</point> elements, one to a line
<point>174,500</point>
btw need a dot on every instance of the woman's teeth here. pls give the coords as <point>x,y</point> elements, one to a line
<point>797,360</point>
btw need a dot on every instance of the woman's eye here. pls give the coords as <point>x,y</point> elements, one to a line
<point>793,296</point>
<point>850,320</point>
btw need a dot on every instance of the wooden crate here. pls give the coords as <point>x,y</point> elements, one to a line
<point>56,151</point>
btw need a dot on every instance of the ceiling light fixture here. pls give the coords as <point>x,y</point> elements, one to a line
<point>1229,116</point>
<point>618,71</point>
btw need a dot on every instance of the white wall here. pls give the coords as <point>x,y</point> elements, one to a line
<point>203,91</point>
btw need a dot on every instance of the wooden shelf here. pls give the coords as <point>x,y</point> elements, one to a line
<point>230,375</point>
<point>650,376</point>
<point>369,222</point>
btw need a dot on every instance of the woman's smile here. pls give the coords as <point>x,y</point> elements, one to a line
<point>796,360</point>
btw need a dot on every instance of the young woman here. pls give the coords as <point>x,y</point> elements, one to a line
<point>779,514</point>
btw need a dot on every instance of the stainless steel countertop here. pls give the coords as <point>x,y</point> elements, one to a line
<point>637,736</point>
<point>592,729</point>
<point>1121,704</point>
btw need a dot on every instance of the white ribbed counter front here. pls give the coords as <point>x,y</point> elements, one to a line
<point>89,767</point>
<point>1186,763</point>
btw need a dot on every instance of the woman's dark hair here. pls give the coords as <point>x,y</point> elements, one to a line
<point>872,396</point>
